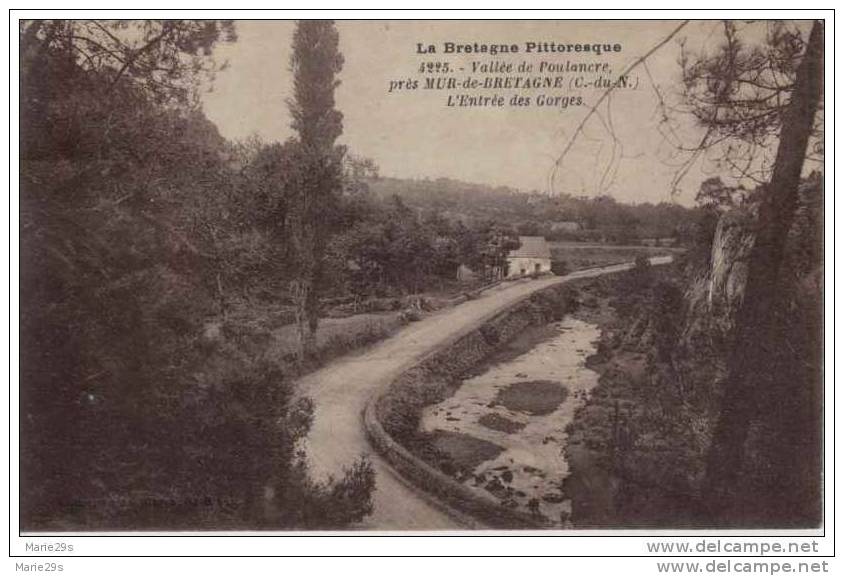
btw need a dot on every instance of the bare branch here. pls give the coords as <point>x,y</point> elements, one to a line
<point>604,96</point>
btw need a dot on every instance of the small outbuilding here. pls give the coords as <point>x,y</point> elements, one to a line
<point>532,257</point>
<point>465,274</point>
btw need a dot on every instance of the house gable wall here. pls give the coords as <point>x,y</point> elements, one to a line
<point>517,264</point>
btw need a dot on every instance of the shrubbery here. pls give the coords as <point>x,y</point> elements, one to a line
<point>141,407</point>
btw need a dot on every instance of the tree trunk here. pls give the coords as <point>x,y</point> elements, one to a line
<point>221,296</point>
<point>302,291</point>
<point>749,364</point>
<point>312,307</point>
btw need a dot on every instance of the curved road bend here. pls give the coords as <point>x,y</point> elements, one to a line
<point>341,389</point>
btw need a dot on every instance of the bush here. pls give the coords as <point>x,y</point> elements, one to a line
<point>559,267</point>
<point>410,315</point>
<point>642,263</point>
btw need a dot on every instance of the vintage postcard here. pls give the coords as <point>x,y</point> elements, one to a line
<point>420,275</point>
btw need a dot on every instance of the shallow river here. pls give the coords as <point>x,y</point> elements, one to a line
<point>529,470</point>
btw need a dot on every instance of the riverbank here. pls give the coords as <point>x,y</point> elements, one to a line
<point>518,410</point>
<point>633,453</point>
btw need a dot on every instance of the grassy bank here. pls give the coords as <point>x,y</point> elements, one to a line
<point>578,255</point>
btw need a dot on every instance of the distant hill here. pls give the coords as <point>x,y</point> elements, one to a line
<point>563,217</point>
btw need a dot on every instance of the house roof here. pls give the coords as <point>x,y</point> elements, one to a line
<point>532,247</point>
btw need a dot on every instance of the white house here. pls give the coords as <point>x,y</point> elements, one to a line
<point>532,257</point>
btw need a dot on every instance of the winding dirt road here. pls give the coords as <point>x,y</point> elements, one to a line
<point>341,390</point>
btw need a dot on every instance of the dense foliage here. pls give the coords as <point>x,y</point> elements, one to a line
<point>146,239</point>
<point>639,448</point>
<point>390,247</point>
<point>140,406</point>
<point>562,217</point>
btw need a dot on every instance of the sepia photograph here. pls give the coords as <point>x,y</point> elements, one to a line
<point>420,276</point>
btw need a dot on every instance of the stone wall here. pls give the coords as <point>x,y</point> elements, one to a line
<point>515,265</point>
<point>392,419</point>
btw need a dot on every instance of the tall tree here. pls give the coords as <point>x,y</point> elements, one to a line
<point>749,365</point>
<point>316,62</point>
<point>750,99</point>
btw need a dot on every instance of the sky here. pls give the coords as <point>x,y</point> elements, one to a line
<point>413,134</point>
